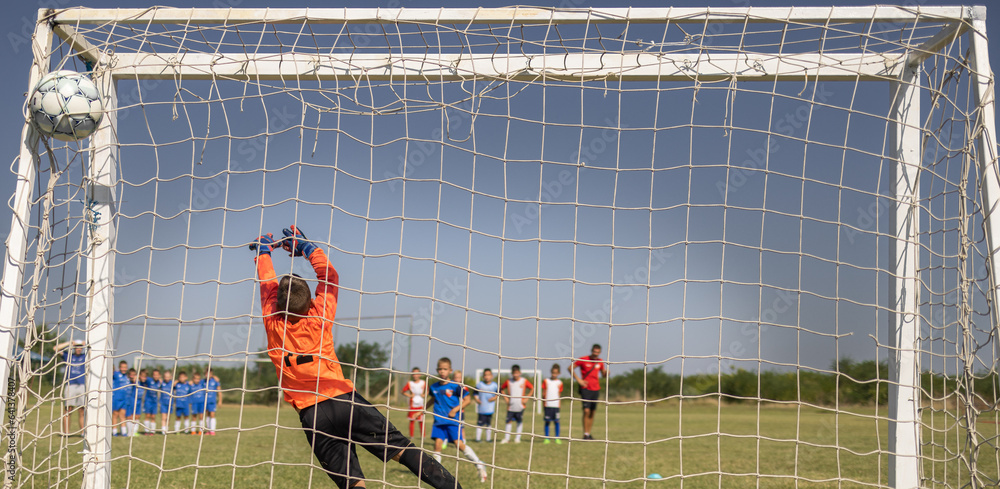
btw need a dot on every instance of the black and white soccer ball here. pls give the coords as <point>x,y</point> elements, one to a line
<point>66,105</point>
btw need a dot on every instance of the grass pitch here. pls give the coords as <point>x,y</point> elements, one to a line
<point>698,443</point>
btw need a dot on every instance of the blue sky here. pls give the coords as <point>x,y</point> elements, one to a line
<point>519,256</point>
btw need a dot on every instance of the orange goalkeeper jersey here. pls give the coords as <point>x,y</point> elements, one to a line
<point>303,352</point>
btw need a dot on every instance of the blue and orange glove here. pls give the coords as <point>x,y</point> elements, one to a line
<point>264,245</point>
<point>295,242</point>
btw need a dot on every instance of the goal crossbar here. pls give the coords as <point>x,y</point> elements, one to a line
<point>448,66</point>
<point>518,15</point>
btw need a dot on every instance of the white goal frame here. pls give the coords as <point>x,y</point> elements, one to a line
<point>904,443</point>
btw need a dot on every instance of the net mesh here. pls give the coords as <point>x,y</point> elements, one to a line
<point>726,241</point>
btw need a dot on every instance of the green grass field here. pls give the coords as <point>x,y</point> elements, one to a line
<point>260,446</point>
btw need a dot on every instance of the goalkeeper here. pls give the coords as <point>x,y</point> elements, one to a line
<point>334,417</point>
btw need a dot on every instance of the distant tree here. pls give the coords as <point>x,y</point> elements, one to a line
<point>366,356</point>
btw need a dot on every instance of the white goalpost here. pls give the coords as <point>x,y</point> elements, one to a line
<point>778,223</point>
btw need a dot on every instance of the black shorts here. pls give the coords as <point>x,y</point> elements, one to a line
<point>517,416</point>
<point>333,428</point>
<point>551,414</point>
<point>589,398</point>
<point>484,420</point>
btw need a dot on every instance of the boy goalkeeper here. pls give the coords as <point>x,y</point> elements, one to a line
<point>334,417</point>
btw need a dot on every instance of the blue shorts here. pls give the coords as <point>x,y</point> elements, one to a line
<point>181,410</point>
<point>150,407</point>
<point>196,407</point>
<point>132,407</point>
<point>210,407</point>
<point>118,402</point>
<point>448,432</point>
<point>165,406</point>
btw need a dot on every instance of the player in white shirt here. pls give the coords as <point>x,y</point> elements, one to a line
<point>517,392</point>
<point>416,390</point>
<point>552,389</point>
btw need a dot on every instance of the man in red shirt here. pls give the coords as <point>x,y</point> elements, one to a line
<point>590,385</point>
<point>334,417</point>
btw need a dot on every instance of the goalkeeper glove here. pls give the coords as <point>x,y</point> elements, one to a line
<point>295,242</point>
<point>264,245</point>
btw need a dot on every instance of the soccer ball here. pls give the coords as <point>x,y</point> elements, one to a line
<point>66,105</point>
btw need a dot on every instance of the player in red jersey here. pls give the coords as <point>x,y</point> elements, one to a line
<point>416,390</point>
<point>590,367</point>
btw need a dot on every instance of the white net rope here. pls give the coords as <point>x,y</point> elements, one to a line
<point>726,242</point>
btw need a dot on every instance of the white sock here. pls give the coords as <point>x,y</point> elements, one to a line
<point>187,425</point>
<point>506,436</point>
<point>471,455</point>
<point>177,425</point>
<point>489,434</point>
<point>437,456</point>
<point>215,423</point>
<point>132,428</point>
<point>124,429</point>
<point>520,428</point>
<point>479,434</point>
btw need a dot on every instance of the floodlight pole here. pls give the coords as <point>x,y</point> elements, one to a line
<point>17,243</point>
<point>904,323</point>
<point>100,217</point>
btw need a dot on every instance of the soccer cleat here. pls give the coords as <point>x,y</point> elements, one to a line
<point>558,441</point>
<point>547,441</point>
<point>211,433</point>
<point>483,476</point>
<point>504,441</point>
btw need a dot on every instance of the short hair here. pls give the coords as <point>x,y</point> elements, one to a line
<point>444,360</point>
<point>555,366</point>
<point>415,369</point>
<point>487,370</point>
<point>123,362</point>
<point>515,368</point>
<point>294,296</point>
<point>156,370</point>
<point>596,346</point>
<point>181,373</point>
<point>131,370</point>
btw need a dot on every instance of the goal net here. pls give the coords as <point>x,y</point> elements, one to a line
<point>773,221</point>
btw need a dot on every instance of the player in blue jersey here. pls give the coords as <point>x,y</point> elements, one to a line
<point>133,404</point>
<point>151,401</point>
<point>74,381</point>
<point>196,404</point>
<point>119,381</point>
<point>182,390</point>
<point>212,399</point>
<point>166,399</point>
<point>487,392</point>
<point>448,398</point>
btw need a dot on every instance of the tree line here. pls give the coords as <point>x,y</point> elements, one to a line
<point>847,381</point>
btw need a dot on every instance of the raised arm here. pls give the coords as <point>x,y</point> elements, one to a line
<point>327,289</point>
<point>265,273</point>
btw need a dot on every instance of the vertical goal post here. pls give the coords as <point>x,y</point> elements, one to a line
<point>898,71</point>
